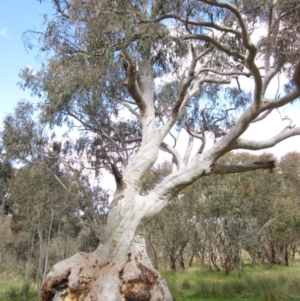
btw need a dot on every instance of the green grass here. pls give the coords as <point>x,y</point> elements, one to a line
<point>257,284</point>
<point>8,281</point>
<point>11,289</point>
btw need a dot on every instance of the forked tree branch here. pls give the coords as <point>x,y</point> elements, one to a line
<point>133,86</point>
<point>262,116</point>
<point>177,158</point>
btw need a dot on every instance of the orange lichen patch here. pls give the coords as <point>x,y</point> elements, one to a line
<point>135,291</point>
<point>50,284</point>
<point>84,274</point>
<point>150,276</point>
<point>76,295</point>
<point>138,280</point>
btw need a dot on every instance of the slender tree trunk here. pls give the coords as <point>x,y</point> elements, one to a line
<point>273,254</point>
<point>29,258</point>
<point>2,206</point>
<point>41,257</point>
<point>286,253</point>
<point>173,262</point>
<point>294,252</point>
<point>212,259</point>
<point>191,258</point>
<point>47,245</point>
<point>181,261</point>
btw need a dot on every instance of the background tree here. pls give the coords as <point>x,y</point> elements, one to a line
<point>6,173</point>
<point>111,57</point>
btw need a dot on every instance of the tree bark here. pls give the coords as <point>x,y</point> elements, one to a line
<point>286,253</point>
<point>118,270</point>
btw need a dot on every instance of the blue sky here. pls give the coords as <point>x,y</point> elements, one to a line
<point>16,17</point>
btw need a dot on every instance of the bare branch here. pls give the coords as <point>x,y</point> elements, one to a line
<point>128,106</point>
<point>198,23</point>
<point>248,45</point>
<point>60,10</point>
<point>272,104</point>
<point>224,73</point>
<point>179,162</point>
<point>200,136</point>
<point>229,169</point>
<point>194,89</point>
<point>216,43</point>
<point>187,82</point>
<point>268,223</point>
<point>257,145</point>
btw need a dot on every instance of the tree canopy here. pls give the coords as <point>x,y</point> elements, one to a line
<point>180,63</point>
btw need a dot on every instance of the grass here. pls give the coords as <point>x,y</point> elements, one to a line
<point>257,284</point>
<point>8,281</point>
<point>12,289</point>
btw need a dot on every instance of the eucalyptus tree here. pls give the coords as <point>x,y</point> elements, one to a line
<point>131,73</point>
<point>6,173</point>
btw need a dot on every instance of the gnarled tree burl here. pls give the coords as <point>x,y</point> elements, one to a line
<point>129,73</point>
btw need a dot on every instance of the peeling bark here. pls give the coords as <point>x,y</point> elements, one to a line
<point>82,277</point>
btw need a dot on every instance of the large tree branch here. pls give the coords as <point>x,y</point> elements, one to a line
<point>179,162</point>
<point>180,179</point>
<point>147,84</point>
<point>182,97</point>
<point>268,77</point>
<point>279,102</point>
<point>140,85</point>
<point>186,83</point>
<point>133,87</point>
<point>257,145</point>
<point>228,169</point>
<point>227,142</point>
<point>273,29</point>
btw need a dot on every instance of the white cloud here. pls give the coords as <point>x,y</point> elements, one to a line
<point>3,33</point>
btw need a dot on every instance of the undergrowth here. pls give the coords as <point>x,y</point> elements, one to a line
<point>257,284</point>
